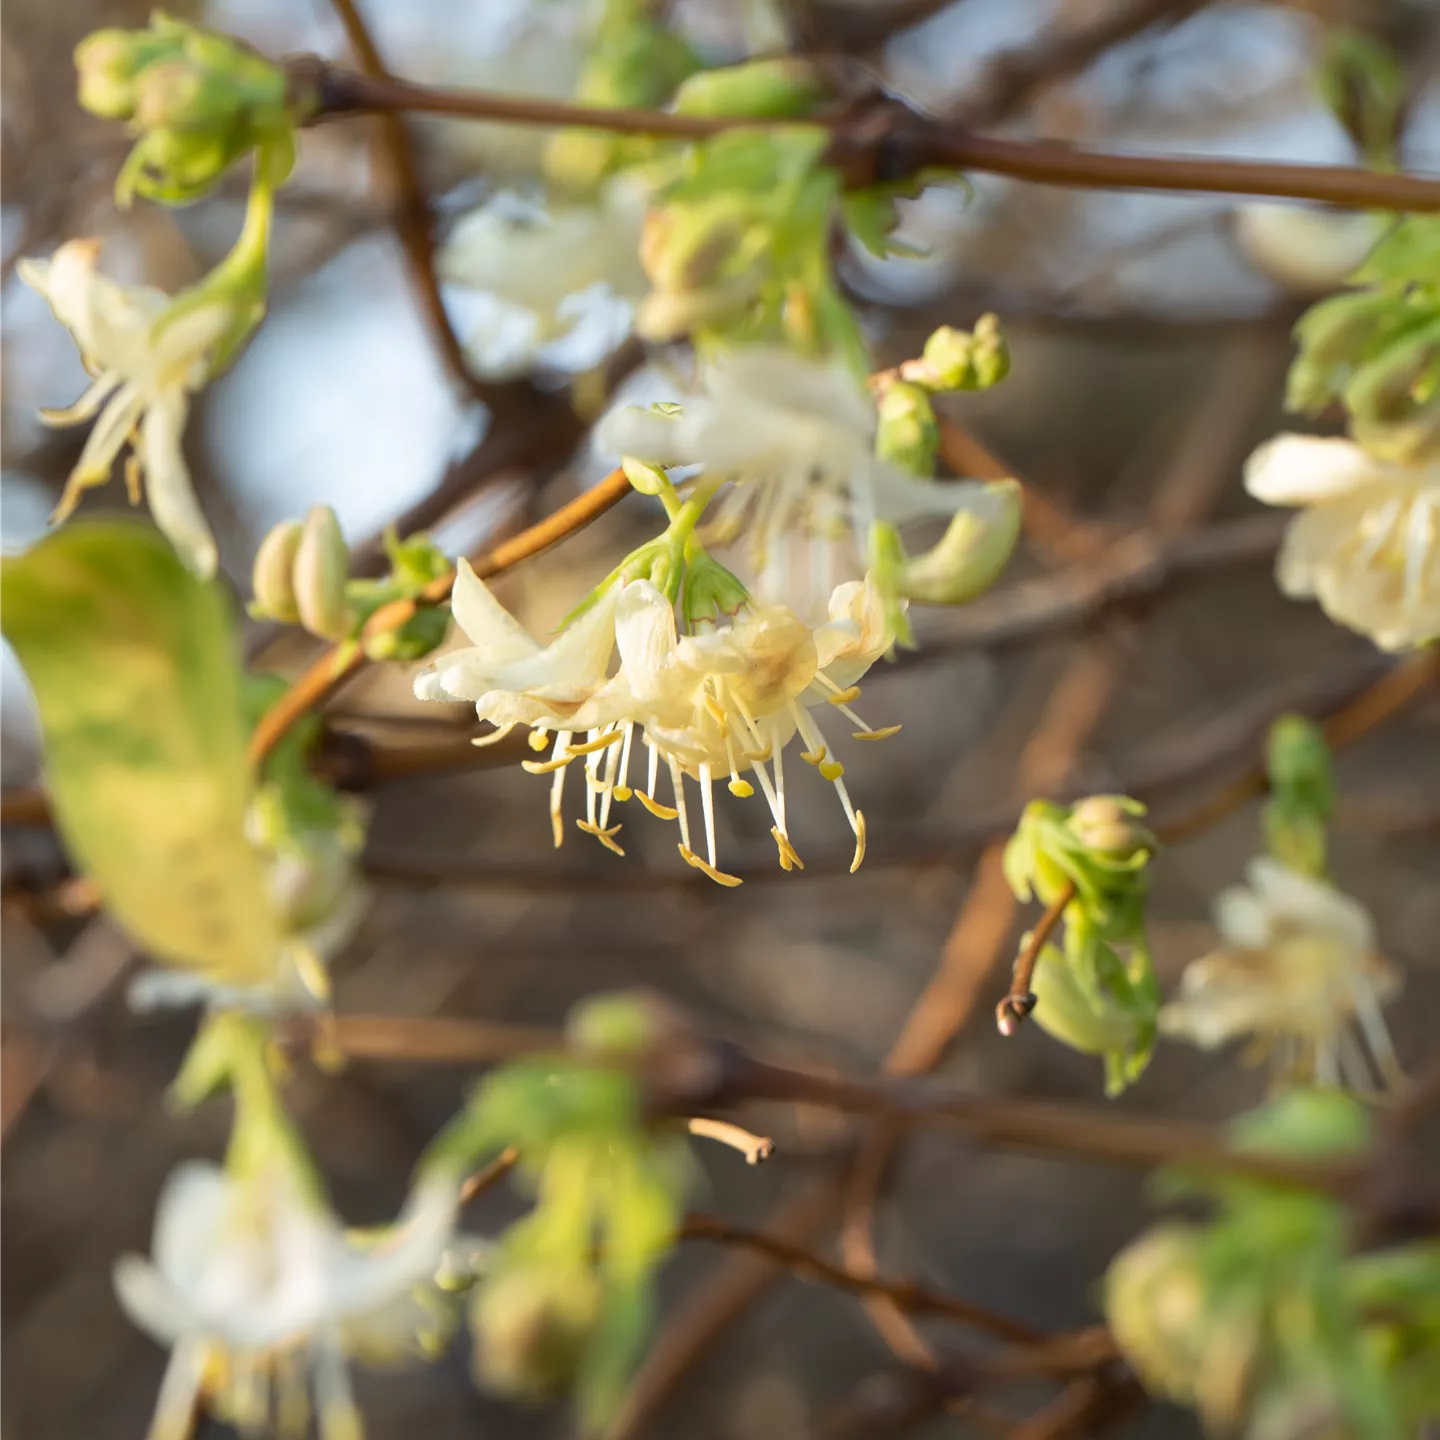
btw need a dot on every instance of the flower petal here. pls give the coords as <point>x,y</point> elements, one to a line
<point>486,622</point>
<point>167,484</point>
<point>1309,470</point>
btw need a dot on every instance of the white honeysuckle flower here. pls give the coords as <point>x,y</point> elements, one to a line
<point>797,438</point>
<point>145,373</point>
<point>1299,973</point>
<point>724,701</point>
<point>533,287</point>
<point>1367,546</point>
<point>253,1280</point>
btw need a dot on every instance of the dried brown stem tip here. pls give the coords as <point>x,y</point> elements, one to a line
<point>1022,1000</point>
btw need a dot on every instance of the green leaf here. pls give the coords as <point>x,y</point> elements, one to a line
<point>133,663</point>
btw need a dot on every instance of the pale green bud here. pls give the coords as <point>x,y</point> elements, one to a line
<point>322,563</point>
<point>1297,761</point>
<point>644,478</point>
<point>908,433</point>
<point>617,1025</point>
<point>179,95</point>
<point>971,554</point>
<point>1065,1013</point>
<point>959,360</point>
<point>1155,1306</point>
<point>773,89</point>
<point>1108,824</point>
<point>272,578</point>
<point>106,64</point>
<point>531,1327</point>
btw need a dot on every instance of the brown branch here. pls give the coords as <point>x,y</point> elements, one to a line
<point>1013,1009</point>
<point>414,222</point>
<point>489,1175</point>
<point>887,141</point>
<point>327,673</point>
<point>910,1295</point>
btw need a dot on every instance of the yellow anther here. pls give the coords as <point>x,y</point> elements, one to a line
<point>614,737</point>
<point>831,769</point>
<point>545,767</point>
<point>814,757</point>
<point>757,757</point>
<point>859,841</point>
<point>134,479</point>
<point>557,828</point>
<point>622,792</point>
<point>844,697</point>
<point>705,868</point>
<point>789,860</point>
<point>664,812</point>
<point>743,788</point>
<point>605,837</point>
<point>539,739</point>
<point>884,734</point>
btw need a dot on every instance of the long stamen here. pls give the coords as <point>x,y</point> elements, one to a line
<point>557,787</point>
<point>1372,1026</point>
<point>497,735</point>
<point>612,765</point>
<point>677,781</point>
<point>623,791</point>
<point>707,804</point>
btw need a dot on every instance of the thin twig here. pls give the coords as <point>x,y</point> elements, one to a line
<point>489,1174</point>
<point>1013,1009</point>
<point>888,141</point>
<point>910,1295</point>
<point>414,222</point>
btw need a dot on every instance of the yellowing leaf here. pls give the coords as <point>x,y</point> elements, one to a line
<point>134,666</point>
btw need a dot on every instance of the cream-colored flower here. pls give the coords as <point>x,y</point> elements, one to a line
<point>797,438</point>
<point>146,367</point>
<point>1299,972</point>
<point>1367,546</point>
<point>255,1287</point>
<point>722,702</point>
<point>554,289</point>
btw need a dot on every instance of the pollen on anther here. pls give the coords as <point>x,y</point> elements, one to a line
<point>844,697</point>
<point>859,841</point>
<point>622,792</point>
<point>814,757</point>
<point>831,769</point>
<point>605,837</point>
<point>662,812</point>
<point>705,868</point>
<point>538,739</point>
<point>884,734</point>
<point>743,788</point>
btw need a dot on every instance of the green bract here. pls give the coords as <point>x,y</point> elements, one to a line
<point>1107,1000</point>
<point>1302,794</point>
<point>133,663</point>
<point>567,1299</point>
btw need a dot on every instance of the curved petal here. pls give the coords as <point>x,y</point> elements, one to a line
<point>650,650</point>
<point>489,626</point>
<point>150,1301</point>
<point>167,484</point>
<point>1309,470</point>
<point>648,435</point>
<point>189,1219</point>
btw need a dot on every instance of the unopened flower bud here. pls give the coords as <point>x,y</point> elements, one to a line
<point>973,551</point>
<point>1297,761</point>
<point>106,63</point>
<point>1108,825</point>
<point>908,433</point>
<point>530,1327</point>
<point>682,251</point>
<point>322,563</point>
<point>960,360</point>
<point>1306,250</point>
<point>773,89</point>
<point>1064,1012</point>
<point>608,1027</point>
<point>1155,1305</point>
<point>272,577</point>
<point>178,95</point>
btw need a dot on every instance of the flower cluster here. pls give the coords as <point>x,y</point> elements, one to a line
<point>719,704</point>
